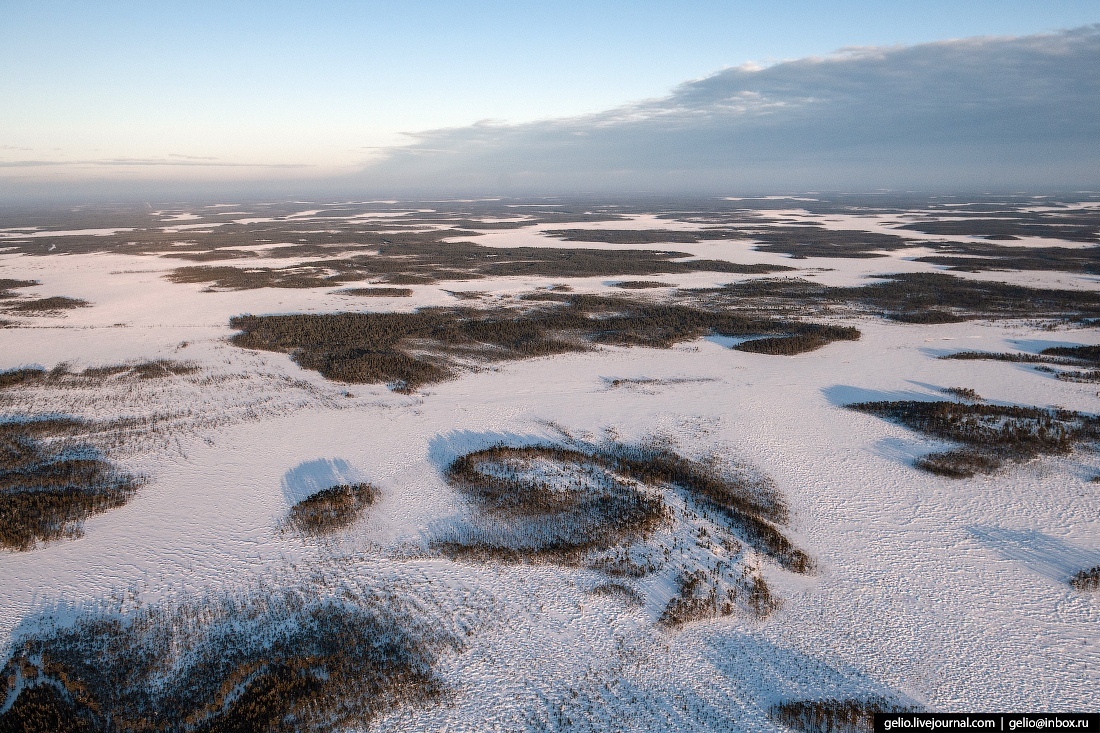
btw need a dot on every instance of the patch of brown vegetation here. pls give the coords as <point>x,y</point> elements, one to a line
<point>380,347</point>
<point>330,509</point>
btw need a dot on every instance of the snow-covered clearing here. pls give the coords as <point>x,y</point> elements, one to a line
<point>945,593</point>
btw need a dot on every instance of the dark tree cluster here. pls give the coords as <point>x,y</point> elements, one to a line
<point>1086,580</point>
<point>49,487</point>
<point>991,434</point>
<point>831,715</point>
<point>255,665</point>
<point>408,350</point>
<point>596,505</point>
<point>331,509</point>
<point>916,297</point>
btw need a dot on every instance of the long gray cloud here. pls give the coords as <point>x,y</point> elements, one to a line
<point>972,113</point>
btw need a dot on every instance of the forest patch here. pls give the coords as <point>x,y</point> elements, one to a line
<point>650,519</point>
<point>408,350</point>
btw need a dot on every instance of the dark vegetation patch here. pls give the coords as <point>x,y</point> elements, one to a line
<point>287,661</point>
<point>799,242</point>
<point>618,590</point>
<point>796,344</point>
<point>1065,356</point>
<point>214,255</point>
<point>380,347</point>
<point>1086,354</point>
<point>754,508</point>
<point>636,236</point>
<point>379,292</point>
<point>466,294</point>
<point>331,509</point>
<point>644,383</point>
<point>155,369</point>
<point>7,285</point>
<point>629,512</point>
<point>930,316</point>
<point>563,504</point>
<point>61,376</point>
<point>50,483</point>
<point>13,377</point>
<point>1086,580</point>
<point>402,278</point>
<point>237,278</point>
<point>966,394</point>
<point>959,463</point>
<point>996,356</point>
<point>48,305</point>
<point>1081,226</point>
<point>1076,225</point>
<point>640,284</point>
<point>915,297</point>
<point>1078,376</point>
<point>416,262</point>
<point>342,229</point>
<point>975,257</point>
<point>831,715</point>
<point>990,434</point>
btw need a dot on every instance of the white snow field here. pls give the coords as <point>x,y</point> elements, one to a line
<point>942,593</point>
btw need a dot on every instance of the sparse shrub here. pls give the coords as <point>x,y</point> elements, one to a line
<point>155,369</point>
<point>695,600</point>
<point>618,590</point>
<point>640,284</point>
<point>332,508</point>
<point>378,292</point>
<point>1086,580</point>
<point>61,376</point>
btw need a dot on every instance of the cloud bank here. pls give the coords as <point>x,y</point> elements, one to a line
<point>986,113</point>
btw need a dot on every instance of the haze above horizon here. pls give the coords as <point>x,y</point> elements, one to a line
<point>536,98</point>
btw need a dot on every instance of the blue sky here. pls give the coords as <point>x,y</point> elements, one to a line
<point>270,89</point>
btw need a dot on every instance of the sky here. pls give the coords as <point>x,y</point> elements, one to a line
<point>544,97</point>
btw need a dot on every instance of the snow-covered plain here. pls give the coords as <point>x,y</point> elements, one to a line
<point>950,594</point>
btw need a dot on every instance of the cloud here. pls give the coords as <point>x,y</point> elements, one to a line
<point>980,112</point>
